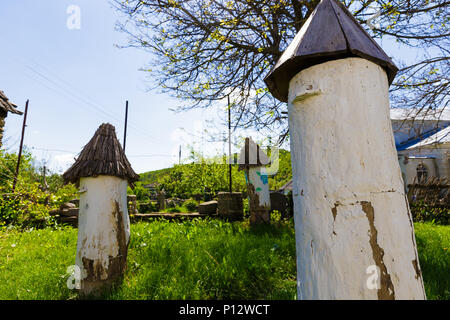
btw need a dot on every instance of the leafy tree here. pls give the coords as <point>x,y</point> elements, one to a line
<point>204,50</point>
<point>284,174</point>
<point>8,163</point>
<point>30,204</point>
<point>187,180</point>
<point>139,191</point>
<point>211,175</point>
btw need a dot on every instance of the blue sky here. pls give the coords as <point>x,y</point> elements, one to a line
<point>78,79</point>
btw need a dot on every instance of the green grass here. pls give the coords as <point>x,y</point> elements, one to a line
<point>200,259</point>
<point>33,264</point>
<point>433,246</point>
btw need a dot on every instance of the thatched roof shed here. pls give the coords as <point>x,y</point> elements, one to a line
<point>6,106</point>
<point>103,155</point>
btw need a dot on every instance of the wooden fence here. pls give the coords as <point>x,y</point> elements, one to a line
<point>432,191</point>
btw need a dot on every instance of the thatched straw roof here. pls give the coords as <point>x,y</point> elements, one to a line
<point>7,106</point>
<point>103,155</point>
<point>251,155</point>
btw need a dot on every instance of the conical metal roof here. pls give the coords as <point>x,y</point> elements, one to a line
<point>330,33</point>
<point>103,155</point>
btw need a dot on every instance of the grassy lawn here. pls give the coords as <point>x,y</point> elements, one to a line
<point>433,245</point>
<point>191,260</point>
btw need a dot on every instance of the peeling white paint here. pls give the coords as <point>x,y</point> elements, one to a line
<point>344,162</point>
<point>97,227</point>
<point>257,177</point>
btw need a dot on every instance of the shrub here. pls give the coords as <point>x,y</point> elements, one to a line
<point>275,216</point>
<point>422,212</point>
<point>29,206</point>
<point>190,205</point>
<point>174,210</point>
<point>146,207</point>
<point>140,192</point>
<point>246,207</point>
<point>26,207</point>
<point>171,204</point>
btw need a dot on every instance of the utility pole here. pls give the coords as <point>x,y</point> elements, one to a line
<point>179,156</point>
<point>44,179</point>
<point>229,144</point>
<point>126,123</point>
<point>21,146</point>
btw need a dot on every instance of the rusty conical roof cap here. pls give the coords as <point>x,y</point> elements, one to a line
<point>330,33</point>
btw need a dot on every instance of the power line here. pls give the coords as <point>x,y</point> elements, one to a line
<point>76,93</point>
<point>73,95</point>
<point>53,150</point>
<point>129,156</point>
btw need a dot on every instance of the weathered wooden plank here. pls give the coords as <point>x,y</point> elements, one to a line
<point>323,35</point>
<point>330,33</point>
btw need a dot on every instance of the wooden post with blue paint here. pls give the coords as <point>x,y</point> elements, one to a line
<point>253,160</point>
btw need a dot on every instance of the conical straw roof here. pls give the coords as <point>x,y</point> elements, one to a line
<point>330,33</point>
<point>6,105</point>
<point>103,155</point>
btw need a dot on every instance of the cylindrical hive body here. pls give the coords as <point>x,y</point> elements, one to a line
<point>354,232</point>
<point>103,232</point>
<point>259,194</point>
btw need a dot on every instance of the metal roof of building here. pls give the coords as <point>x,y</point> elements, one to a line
<point>442,136</point>
<point>442,114</point>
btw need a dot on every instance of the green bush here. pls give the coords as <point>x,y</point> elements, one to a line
<point>9,209</point>
<point>422,212</point>
<point>30,204</point>
<point>246,207</point>
<point>146,207</point>
<point>140,192</point>
<point>191,205</point>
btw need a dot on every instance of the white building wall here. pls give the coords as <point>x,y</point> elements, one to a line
<point>435,157</point>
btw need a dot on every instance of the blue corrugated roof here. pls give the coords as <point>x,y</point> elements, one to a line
<point>406,144</point>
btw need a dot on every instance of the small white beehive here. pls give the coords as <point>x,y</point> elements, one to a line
<point>102,172</point>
